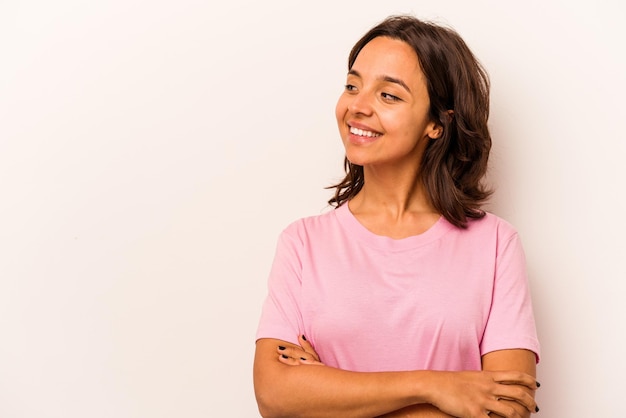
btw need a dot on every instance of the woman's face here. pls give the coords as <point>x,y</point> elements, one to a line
<point>383,112</point>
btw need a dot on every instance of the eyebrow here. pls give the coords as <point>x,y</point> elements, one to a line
<point>385,78</point>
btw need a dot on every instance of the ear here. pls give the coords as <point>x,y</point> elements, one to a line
<point>436,129</point>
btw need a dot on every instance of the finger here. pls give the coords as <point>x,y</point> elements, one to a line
<point>308,348</point>
<point>311,361</point>
<point>291,351</point>
<point>501,410</point>
<point>296,354</point>
<point>297,361</point>
<point>515,378</point>
<point>290,361</point>
<point>518,394</point>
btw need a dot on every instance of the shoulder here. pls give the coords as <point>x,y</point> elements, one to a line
<point>493,223</point>
<point>311,225</point>
<point>490,228</point>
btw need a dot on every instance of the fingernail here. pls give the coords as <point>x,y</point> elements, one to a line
<point>536,409</point>
<point>303,337</point>
<point>280,347</point>
<point>284,356</point>
<point>538,384</point>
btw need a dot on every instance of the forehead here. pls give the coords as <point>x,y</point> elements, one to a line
<point>384,56</point>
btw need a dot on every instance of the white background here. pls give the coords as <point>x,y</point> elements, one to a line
<point>152,151</point>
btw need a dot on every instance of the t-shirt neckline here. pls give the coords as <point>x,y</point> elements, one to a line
<point>355,228</point>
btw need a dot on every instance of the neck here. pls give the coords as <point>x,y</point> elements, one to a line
<point>395,193</point>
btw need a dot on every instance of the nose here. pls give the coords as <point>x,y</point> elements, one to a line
<point>361,103</point>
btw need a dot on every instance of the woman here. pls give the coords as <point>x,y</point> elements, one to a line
<point>407,299</point>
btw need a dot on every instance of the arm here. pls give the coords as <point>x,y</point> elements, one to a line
<point>287,386</point>
<point>319,391</point>
<point>511,319</point>
<point>522,360</point>
<point>417,411</point>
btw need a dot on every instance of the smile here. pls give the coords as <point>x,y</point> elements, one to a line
<point>361,132</point>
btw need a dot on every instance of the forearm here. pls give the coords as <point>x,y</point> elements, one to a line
<point>522,360</point>
<point>417,411</point>
<point>288,383</point>
<point>321,391</point>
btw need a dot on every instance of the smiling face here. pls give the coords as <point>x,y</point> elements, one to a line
<point>383,112</point>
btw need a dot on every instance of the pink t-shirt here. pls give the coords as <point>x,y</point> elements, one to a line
<point>437,301</point>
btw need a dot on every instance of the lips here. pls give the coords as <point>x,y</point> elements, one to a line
<point>363,132</point>
<point>362,135</point>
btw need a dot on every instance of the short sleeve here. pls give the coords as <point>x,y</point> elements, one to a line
<point>281,317</point>
<point>511,323</point>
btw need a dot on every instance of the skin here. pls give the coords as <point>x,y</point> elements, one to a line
<point>386,95</point>
<point>290,381</point>
<point>392,202</point>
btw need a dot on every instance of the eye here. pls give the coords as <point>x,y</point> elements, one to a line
<point>350,87</point>
<point>390,97</point>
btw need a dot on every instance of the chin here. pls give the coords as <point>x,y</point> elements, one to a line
<point>358,160</point>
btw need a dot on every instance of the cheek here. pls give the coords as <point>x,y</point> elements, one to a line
<point>340,109</point>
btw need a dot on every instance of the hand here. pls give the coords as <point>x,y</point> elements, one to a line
<point>295,356</point>
<point>478,394</point>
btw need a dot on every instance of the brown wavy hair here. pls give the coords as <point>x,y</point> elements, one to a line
<point>453,166</point>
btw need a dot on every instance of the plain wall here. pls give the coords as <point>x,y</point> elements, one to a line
<point>152,151</point>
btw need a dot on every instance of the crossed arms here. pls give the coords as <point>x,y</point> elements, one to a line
<point>290,381</point>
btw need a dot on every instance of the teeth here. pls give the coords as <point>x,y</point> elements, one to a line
<point>361,132</point>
